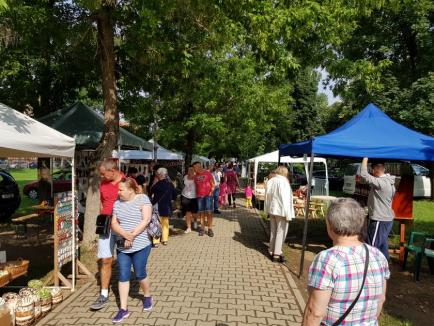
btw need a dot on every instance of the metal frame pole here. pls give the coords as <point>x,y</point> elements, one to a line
<point>306,215</point>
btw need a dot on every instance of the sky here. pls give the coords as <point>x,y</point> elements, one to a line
<point>326,90</point>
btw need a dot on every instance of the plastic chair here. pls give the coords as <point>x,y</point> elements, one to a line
<point>429,253</point>
<point>416,244</point>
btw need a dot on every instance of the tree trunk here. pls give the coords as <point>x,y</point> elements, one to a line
<point>110,135</point>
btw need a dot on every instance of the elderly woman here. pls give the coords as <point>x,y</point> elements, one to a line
<point>279,207</point>
<point>348,281</point>
<point>162,193</point>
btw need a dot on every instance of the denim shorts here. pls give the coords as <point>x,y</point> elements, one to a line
<point>106,246</point>
<point>138,259</point>
<point>204,204</point>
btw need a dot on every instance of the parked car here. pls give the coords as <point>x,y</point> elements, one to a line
<point>4,164</point>
<point>422,182</point>
<point>61,183</point>
<point>335,182</point>
<point>10,198</point>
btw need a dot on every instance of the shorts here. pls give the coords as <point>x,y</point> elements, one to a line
<point>188,205</point>
<point>106,246</point>
<point>204,204</point>
<point>138,259</point>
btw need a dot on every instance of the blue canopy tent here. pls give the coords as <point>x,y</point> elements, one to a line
<point>371,133</point>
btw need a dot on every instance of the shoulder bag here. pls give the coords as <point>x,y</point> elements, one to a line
<point>341,319</point>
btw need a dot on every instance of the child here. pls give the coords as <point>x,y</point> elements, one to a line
<point>223,196</point>
<point>249,194</point>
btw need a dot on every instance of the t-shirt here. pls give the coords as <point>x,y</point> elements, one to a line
<point>189,190</point>
<point>340,269</point>
<point>129,215</point>
<point>108,195</point>
<point>203,182</point>
<point>217,177</point>
<point>248,192</point>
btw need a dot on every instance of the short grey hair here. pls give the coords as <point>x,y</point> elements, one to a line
<point>346,217</point>
<point>162,171</point>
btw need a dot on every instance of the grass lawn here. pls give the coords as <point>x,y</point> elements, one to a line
<point>24,176</point>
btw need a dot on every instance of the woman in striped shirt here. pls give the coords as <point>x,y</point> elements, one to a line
<point>131,215</point>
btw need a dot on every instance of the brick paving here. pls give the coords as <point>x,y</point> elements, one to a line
<point>220,281</point>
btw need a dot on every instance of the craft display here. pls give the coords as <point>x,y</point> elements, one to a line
<point>4,277</point>
<point>38,309</point>
<point>45,295</point>
<point>64,218</point>
<point>16,268</point>
<point>35,284</point>
<point>56,295</point>
<point>25,311</point>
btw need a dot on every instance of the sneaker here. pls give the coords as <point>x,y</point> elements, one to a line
<point>121,315</point>
<point>194,225</point>
<point>201,232</point>
<point>164,243</point>
<point>217,212</point>
<point>100,303</point>
<point>210,233</point>
<point>147,303</point>
<point>187,231</point>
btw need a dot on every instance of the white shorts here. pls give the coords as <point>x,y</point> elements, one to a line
<point>106,246</point>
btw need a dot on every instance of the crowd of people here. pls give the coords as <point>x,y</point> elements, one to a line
<point>347,281</point>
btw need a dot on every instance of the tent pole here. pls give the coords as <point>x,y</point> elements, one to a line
<point>306,215</point>
<point>74,235</point>
<point>278,160</point>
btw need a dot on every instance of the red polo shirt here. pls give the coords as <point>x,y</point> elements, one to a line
<point>108,195</point>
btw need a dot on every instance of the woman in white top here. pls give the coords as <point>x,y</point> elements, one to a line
<point>188,199</point>
<point>279,207</point>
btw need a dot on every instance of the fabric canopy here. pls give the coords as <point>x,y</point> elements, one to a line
<point>22,136</point>
<point>86,126</point>
<point>371,133</point>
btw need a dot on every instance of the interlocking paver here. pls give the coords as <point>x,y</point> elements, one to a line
<point>225,280</point>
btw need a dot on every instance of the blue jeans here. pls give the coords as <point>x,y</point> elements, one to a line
<point>138,259</point>
<point>204,204</point>
<point>215,198</point>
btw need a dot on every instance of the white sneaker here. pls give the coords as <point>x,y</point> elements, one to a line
<point>187,231</point>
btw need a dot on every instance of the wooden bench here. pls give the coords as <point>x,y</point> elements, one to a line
<point>21,224</point>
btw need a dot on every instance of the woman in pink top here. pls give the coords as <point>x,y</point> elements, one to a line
<point>231,179</point>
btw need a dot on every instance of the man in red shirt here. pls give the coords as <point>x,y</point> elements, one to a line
<point>204,182</point>
<point>111,176</point>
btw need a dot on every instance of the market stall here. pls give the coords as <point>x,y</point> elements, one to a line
<point>321,185</point>
<point>22,136</point>
<point>371,133</point>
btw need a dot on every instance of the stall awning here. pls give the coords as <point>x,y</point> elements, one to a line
<point>371,133</point>
<point>22,136</point>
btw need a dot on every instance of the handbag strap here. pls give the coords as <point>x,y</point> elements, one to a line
<point>340,320</point>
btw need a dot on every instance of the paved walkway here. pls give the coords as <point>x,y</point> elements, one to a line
<point>225,280</point>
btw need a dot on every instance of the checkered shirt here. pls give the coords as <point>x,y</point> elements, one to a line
<point>340,269</point>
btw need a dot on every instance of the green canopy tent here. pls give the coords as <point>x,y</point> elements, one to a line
<point>86,126</point>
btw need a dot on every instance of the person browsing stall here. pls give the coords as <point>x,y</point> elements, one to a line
<point>381,215</point>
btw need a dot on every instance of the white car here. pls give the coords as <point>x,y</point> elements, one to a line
<point>422,182</point>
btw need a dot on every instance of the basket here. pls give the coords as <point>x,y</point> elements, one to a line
<point>5,278</point>
<point>16,268</point>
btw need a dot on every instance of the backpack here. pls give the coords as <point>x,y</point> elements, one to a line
<point>154,227</point>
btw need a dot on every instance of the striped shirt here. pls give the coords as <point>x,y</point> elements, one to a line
<point>129,215</point>
<point>340,269</point>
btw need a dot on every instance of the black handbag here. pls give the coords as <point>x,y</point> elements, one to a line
<point>340,320</point>
<point>103,223</point>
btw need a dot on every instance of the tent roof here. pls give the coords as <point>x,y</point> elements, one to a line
<point>273,157</point>
<point>22,136</point>
<point>162,154</point>
<point>371,133</point>
<point>86,126</point>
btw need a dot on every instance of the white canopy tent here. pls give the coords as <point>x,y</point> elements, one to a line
<point>162,154</point>
<point>273,157</point>
<point>22,136</point>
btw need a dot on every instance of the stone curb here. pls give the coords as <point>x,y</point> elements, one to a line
<point>64,304</point>
<point>285,272</point>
